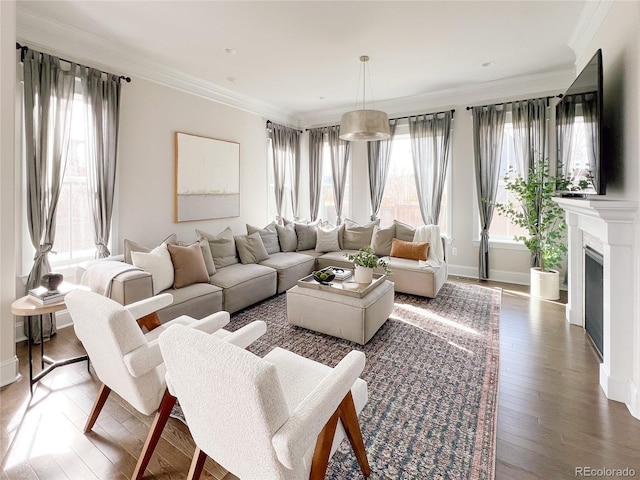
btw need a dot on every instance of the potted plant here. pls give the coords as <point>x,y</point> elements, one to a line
<point>543,219</point>
<point>365,261</point>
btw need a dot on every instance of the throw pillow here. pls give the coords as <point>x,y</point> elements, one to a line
<point>357,236</point>
<point>410,250</point>
<point>328,226</point>
<point>188,265</point>
<point>131,246</point>
<point>223,247</point>
<point>269,236</point>
<point>327,239</point>
<point>382,239</point>
<point>250,248</point>
<point>158,263</point>
<point>206,255</point>
<point>287,237</point>
<point>403,231</point>
<point>306,233</point>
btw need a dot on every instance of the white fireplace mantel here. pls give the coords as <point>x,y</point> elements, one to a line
<point>612,222</point>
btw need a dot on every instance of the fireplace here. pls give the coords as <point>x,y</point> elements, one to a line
<point>593,297</point>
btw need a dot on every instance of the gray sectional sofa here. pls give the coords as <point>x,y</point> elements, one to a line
<point>250,268</point>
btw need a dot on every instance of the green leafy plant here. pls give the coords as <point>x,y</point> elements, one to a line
<point>536,212</point>
<point>366,258</point>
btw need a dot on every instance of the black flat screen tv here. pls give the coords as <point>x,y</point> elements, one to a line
<point>579,119</point>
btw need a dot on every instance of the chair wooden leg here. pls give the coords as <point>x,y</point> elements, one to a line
<point>349,418</point>
<point>322,451</point>
<point>167,403</point>
<point>197,464</point>
<point>97,407</point>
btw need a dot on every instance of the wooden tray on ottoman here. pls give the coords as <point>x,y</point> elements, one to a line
<point>343,287</point>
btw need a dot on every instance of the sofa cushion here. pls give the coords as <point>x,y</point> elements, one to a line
<point>306,233</point>
<point>223,247</point>
<point>327,239</point>
<point>188,265</point>
<point>197,301</point>
<point>409,250</point>
<point>381,240</point>
<point>131,246</point>
<point>287,237</point>
<point>158,263</point>
<point>245,285</point>
<point>250,248</point>
<point>335,259</point>
<point>357,236</point>
<point>269,236</point>
<point>291,267</point>
<point>403,231</point>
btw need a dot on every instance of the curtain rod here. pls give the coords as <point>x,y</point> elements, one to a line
<point>513,101</point>
<point>24,48</point>
<point>269,122</point>
<point>397,118</point>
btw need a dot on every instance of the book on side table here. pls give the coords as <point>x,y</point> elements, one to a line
<point>43,296</point>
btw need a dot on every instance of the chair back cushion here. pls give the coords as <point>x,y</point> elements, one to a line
<point>232,401</point>
<point>108,332</point>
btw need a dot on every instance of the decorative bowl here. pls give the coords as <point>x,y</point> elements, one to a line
<point>324,276</point>
<point>51,281</point>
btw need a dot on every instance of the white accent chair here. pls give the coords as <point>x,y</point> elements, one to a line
<point>129,362</point>
<point>280,417</point>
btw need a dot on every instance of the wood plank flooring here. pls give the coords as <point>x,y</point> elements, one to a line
<point>552,415</point>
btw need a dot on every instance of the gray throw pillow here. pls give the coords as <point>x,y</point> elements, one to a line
<point>306,233</point>
<point>327,240</point>
<point>131,246</point>
<point>287,237</point>
<point>269,236</point>
<point>404,232</point>
<point>357,236</point>
<point>223,247</point>
<point>382,240</point>
<point>250,248</point>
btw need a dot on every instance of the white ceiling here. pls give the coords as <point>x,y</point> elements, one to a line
<point>301,57</point>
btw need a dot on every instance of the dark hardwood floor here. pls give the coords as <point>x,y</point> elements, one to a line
<point>552,415</point>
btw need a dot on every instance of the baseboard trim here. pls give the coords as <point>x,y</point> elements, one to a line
<point>63,320</point>
<point>495,275</point>
<point>634,400</point>
<point>9,371</point>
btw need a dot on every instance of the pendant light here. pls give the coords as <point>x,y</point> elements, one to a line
<point>364,125</point>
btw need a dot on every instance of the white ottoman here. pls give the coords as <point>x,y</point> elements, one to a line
<point>339,315</point>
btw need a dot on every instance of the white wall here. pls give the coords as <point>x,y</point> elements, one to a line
<point>8,359</point>
<point>150,116</point>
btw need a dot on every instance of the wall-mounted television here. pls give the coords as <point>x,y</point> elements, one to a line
<point>579,119</point>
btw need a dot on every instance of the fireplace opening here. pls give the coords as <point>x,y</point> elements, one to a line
<point>593,297</point>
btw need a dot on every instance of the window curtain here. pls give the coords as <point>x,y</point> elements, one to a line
<point>430,146</point>
<point>339,152</point>
<point>488,132</point>
<point>590,113</point>
<point>285,144</point>
<point>379,153</point>
<point>565,117</point>
<point>529,119</point>
<point>48,100</point>
<point>101,98</point>
<point>316,136</point>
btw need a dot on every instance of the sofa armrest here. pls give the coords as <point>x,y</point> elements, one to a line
<point>130,287</point>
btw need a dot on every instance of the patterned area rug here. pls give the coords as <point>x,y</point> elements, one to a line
<point>432,374</point>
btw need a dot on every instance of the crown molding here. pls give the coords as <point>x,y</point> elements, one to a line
<point>550,83</point>
<point>89,49</point>
<point>592,16</point>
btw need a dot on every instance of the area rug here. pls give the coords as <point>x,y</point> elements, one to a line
<point>432,375</point>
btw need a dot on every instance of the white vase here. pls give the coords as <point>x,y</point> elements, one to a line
<point>545,285</point>
<point>363,274</point>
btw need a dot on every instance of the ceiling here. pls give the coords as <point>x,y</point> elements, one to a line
<point>301,57</point>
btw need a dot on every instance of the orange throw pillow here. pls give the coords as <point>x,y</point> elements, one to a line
<point>410,250</point>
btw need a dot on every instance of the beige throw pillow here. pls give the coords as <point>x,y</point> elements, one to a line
<point>403,231</point>
<point>327,239</point>
<point>223,247</point>
<point>357,236</point>
<point>382,239</point>
<point>131,246</point>
<point>188,265</point>
<point>157,262</point>
<point>287,237</point>
<point>306,233</point>
<point>269,236</point>
<point>250,248</point>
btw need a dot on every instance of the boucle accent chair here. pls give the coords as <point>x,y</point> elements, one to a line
<point>280,417</point>
<point>129,362</point>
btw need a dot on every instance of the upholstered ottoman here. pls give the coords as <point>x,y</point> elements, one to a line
<point>339,315</point>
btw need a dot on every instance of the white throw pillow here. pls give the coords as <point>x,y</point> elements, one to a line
<point>158,263</point>
<point>327,239</point>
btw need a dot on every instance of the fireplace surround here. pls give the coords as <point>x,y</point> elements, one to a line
<point>610,222</point>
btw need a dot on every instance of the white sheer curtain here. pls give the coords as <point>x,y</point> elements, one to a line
<point>378,155</point>
<point>339,152</point>
<point>285,144</point>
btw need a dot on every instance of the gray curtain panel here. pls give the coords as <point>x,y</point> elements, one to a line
<point>488,132</point>
<point>430,146</point>
<point>316,137</point>
<point>48,99</point>
<point>102,103</point>
<point>565,116</point>
<point>590,112</point>
<point>529,118</point>
<point>339,151</point>
<point>379,153</point>
<point>285,144</point>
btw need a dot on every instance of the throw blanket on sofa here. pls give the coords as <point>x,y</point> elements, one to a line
<point>98,277</point>
<point>430,234</point>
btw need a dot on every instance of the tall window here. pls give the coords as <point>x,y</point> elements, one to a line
<point>327,198</point>
<point>400,199</point>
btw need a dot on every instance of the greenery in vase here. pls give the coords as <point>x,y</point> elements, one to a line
<point>537,213</point>
<point>366,258</point>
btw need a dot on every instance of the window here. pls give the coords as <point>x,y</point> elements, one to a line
<point>327,198</point>
<point>400,199</point>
